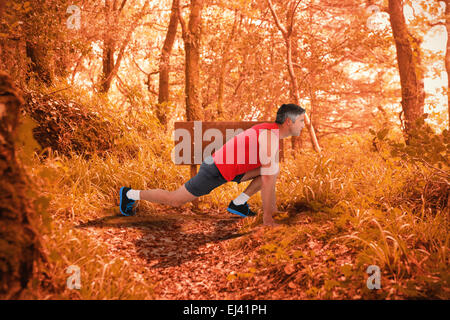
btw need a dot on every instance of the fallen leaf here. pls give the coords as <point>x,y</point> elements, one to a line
<point>289,268</point>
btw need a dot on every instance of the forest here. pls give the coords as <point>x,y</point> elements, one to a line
<point>91,94</point>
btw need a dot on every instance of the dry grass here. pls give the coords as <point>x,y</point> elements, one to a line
<point>358,199</point>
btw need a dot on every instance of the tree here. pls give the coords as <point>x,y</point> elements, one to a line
<point>411,74</point>
<point>19,242</point>
<point>192,41</point>
<point>191,37</point>
<point>39,66</point>
<point>164,64</point>
<point>287,36</point>
<point>223,65</point>
<point>447,54</point>
<point>111,66</point>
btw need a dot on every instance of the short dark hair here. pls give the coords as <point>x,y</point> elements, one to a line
<point>291,111</point>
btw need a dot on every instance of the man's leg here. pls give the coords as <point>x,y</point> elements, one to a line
<point>172,198</point>
<point>249,175</point>
<point>254,186</point>
<point>251,189</point>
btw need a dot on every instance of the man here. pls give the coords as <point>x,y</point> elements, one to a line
<point>240,165</point>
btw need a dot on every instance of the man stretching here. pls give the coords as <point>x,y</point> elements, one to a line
<point>257,162</point>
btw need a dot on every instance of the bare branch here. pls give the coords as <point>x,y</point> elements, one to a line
<point>431,24</point>
<point>125,43</point>
<point>292,17</point>
<point>122,5</point>
<point>139,68</point>
<point>277,21</point>
<point>114,5</point>
<point>182,23</point>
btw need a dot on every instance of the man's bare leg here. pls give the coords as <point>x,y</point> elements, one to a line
<point>172,198</point>
<point>252,189</point>
<point>253,186</point>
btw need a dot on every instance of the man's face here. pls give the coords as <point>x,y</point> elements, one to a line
<point>298,125</point>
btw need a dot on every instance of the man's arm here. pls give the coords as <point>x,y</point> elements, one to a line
<point>268,198</point>
<point>269,172</point>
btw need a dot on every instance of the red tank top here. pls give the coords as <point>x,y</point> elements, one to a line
<point>245,156</point>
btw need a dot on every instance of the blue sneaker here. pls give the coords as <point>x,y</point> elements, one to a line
<point>126,205</point>
<point>250,212</point>
<point>242,210</point>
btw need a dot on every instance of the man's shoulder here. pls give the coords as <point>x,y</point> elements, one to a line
<point>265,125</point>
<point>257,129</point>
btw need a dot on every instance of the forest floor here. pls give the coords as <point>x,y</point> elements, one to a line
<point>207,255</point>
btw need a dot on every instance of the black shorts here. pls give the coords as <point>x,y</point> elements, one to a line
<point>207,179</point>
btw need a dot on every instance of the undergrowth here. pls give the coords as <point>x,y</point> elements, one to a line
<point>368,205</point>
<point>354,205</point>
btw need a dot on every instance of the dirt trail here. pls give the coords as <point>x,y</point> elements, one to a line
<point>186,255</point>
<point>183,253</point>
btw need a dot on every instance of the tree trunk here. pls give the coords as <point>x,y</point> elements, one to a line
<point>293,89</point>
<point>108,65</point>
<point>411,75</point>
<point>314,107</point>
<point>164,65</point>
<point>111,67</point>
<point>287,35</point>
<point>18,239</point>
<point>108,52</point>
<point>39,67</point>
<point>191,37</point>
<point>223,68</point>
<point>447,55</point>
